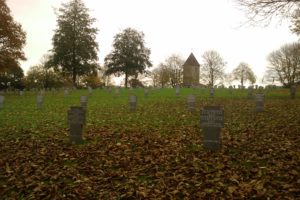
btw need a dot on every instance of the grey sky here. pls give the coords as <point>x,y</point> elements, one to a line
<point>170,26</point>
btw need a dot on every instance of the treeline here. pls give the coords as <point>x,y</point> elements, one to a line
<point>73,59</point>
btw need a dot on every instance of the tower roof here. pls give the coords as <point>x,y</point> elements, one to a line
<point>191,61</point>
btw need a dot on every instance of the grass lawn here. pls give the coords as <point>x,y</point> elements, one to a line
<point>154,153</point>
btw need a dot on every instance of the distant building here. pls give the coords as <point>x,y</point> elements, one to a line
<point>191,71</point>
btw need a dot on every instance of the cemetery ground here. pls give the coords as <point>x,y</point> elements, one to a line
<point>155,152</point>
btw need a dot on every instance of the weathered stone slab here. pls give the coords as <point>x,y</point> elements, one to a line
<point>117,92</point>
<point>90,91</point>
<point>66,92</point>
<point>39,101</point>
<point>2,98</point>
<point>191,102</point>
<point>293,92</point>
<point>250,92</point>
<point>259,99</point>
<point>146,93</point>
<point>211,122</point>
<point>212,92</point>
<point>76,119</point>
<point>177,91</point>
<point>83,101</point>
<point>132,102</point>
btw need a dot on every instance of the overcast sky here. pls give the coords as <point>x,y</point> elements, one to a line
<point>170,26</point>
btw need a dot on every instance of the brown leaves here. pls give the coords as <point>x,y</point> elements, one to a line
<point>259,159</point>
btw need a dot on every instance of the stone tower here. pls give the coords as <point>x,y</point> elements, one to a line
<point>191,71</point>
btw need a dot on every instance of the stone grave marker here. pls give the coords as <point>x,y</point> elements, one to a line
<point>83,101</point>
<point>211,122</point>
<point>250,92</point>
<point>230,89</point>
<point>146,93</point>
<point>117,92</point>
<point>132,102</point>
<point>191,102</point>
<point>212,92</point>
<point>90,91</point>
<point>177,91</point>
<point>2,98</point>
<point>66,92</point>
<point>21,92</point>
<point>39,101</point>
<point>76,118</point>
<point>293,92</point>
<point>259,99</point>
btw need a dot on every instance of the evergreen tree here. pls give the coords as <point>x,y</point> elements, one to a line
<point>74,42</point>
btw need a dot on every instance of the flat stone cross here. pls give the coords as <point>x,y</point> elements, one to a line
<point>260,98</point>
<point>211,122</point>
<point>212,92</point>
<point>191,101</point>
<point>39,101</point>
<point>83,101</point>
<point>2,98</point>
<point>293,92</point>
<point>132,102</point>
<point>76,118</point>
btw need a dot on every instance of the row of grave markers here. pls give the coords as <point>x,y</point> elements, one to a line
<point>133,100</point>
<point>211,120</point>
<point>211,117</point>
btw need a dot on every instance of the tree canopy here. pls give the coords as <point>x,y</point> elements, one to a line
<point>263,11</point>
<point>213,67</point>
<point>129,56</point>
<point>259,11</point>
<point>74,42</point>
<point>285,64</point>
<point>244,73</point>
<point>12,39</point>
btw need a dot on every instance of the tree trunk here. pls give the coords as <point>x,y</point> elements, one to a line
<point>126,79</point>
<point>242,82</point>
<point>74,77</point>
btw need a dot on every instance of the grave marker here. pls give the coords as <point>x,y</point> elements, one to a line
<point>293,92</point>
<point>259,102</point>
<point>211,122</point>
<point>66,92</point>
<point>2,98</point>
<point>76,118</point>
<point>177,91</point>
<point>132,102</point>
<point>39,101</point>
<point>146,93</point>
<point>117,92</point>
<point>212,92</point>
<point>83,101</point>
<point>90,91</point>
<point>250,92</point>
<point>21,93</point>
<point>191,102</point>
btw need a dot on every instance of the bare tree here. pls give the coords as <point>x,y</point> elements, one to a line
<point>213,67</point>
<point>174,63</point>
<point>161,76</point>
<point>285,63</point>
<point>263,11</point>
<point>244,73</point>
